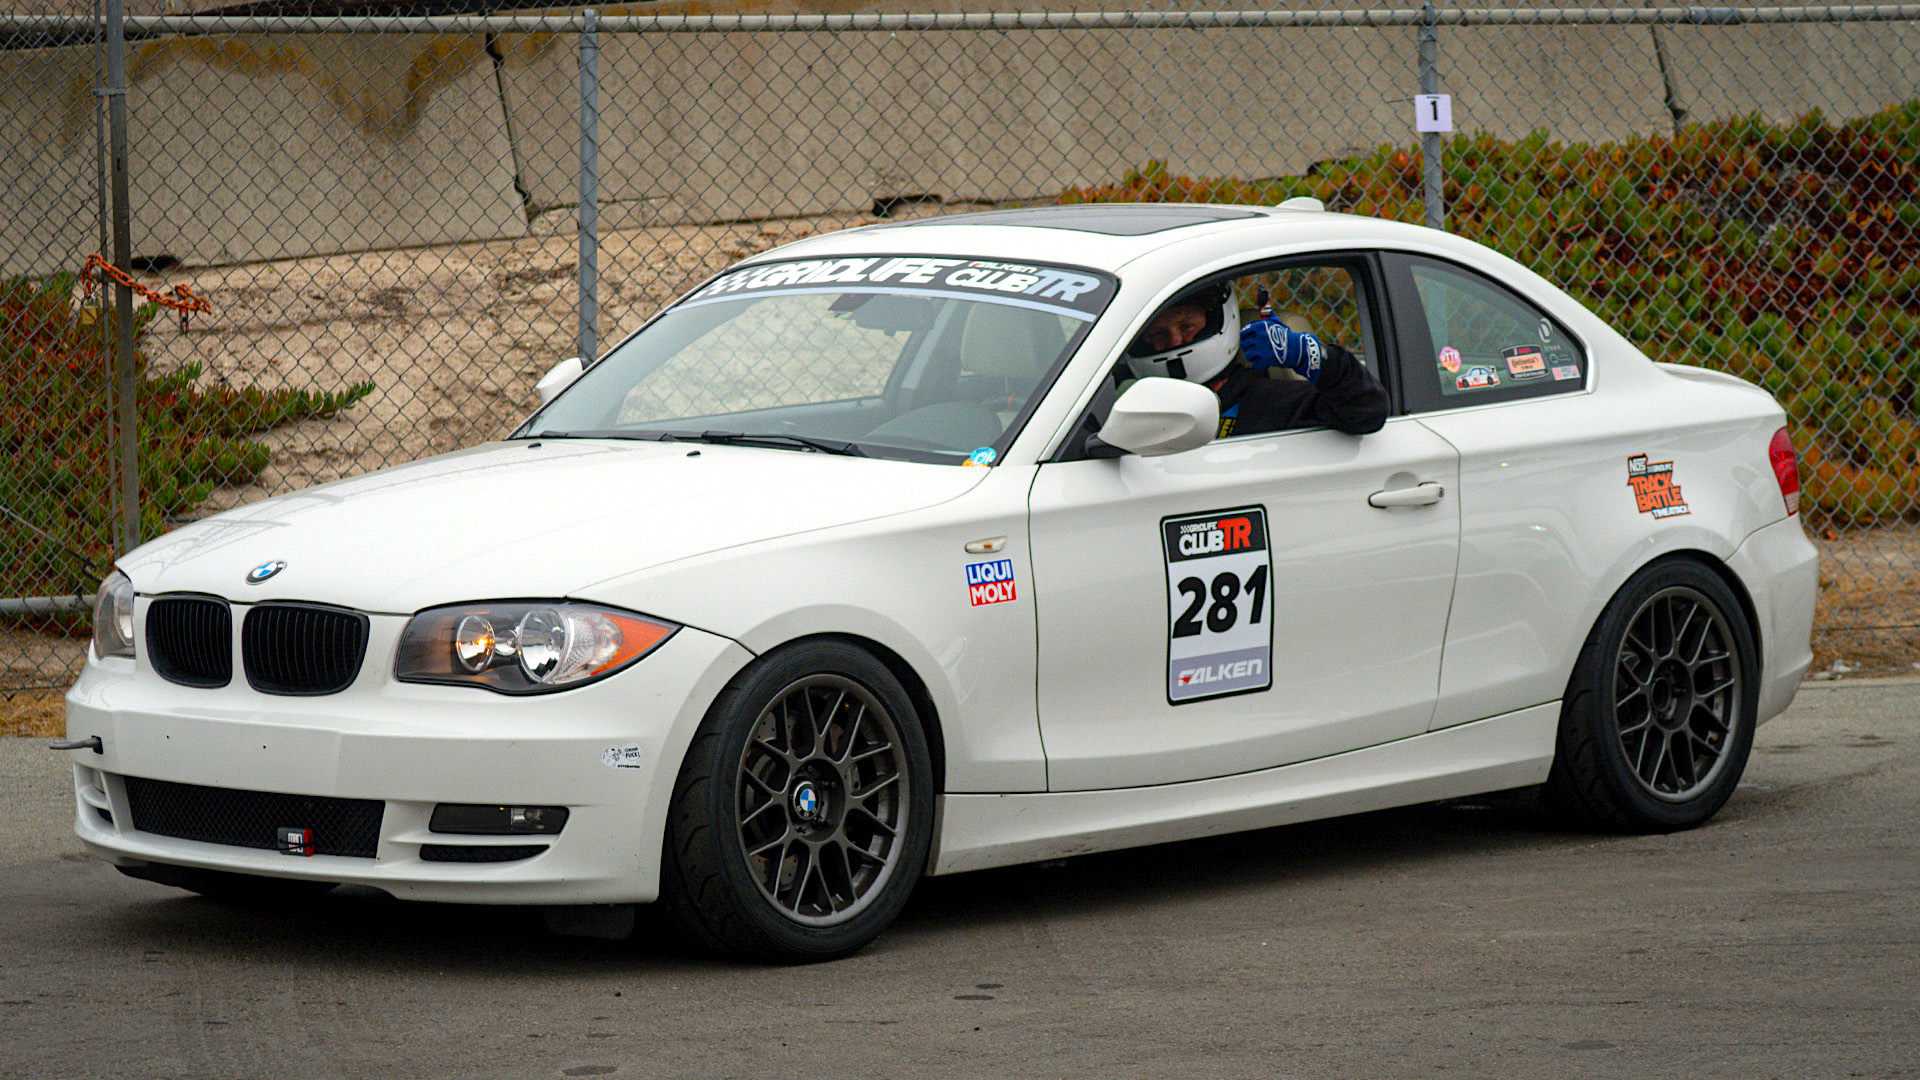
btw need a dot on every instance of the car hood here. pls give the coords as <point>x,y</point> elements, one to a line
<point>520,519</point>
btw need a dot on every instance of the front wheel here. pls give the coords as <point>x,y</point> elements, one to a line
<point>803,812</point>
<point>1660,713</point>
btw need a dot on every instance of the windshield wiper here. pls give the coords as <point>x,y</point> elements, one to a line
<point>770,439</point>
<point>725,438</point>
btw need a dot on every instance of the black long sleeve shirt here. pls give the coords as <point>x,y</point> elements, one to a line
<point>1347,398</point>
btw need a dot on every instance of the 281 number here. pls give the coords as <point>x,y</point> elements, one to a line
<point>1223,612</point>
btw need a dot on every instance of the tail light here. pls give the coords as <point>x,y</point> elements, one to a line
<point>1786,469</point>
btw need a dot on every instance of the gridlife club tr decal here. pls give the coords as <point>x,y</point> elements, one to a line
<point>1219,604</point>
<point>1654,491</point>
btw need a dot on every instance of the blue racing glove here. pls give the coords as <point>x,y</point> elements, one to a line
<point>1269,343</point>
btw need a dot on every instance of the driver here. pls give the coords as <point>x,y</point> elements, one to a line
<point>1194,338</point>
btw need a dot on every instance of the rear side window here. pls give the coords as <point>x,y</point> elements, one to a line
<point>1469,341</point>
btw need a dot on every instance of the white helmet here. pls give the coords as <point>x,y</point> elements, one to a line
<point>1205,356</point>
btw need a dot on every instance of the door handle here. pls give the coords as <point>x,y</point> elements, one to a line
<point>1419,495</point>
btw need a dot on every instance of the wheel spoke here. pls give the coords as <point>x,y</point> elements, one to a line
<point>873,820</point>
<point>1680,632</point>
<point>877,786</point>
<point>1653,775</point>
<point>778,841</point>
<point>853,734</point>
<point>836,876</point>
<point>1715,689</point>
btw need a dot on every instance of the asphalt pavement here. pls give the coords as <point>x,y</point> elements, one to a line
<point>1468,938</point>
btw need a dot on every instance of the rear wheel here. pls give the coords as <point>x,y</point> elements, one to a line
<point>803,812</point>
<point>1659,716</point>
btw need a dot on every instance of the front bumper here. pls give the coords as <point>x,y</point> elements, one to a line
<point>411,747</point>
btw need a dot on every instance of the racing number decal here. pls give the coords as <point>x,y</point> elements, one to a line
<point>1219,604</point>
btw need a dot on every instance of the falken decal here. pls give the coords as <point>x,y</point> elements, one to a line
<point>1219,604</point>
<point>1654,491</point>
<point>990,582</point>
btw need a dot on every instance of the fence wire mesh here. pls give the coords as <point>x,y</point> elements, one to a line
<point>380,210</point>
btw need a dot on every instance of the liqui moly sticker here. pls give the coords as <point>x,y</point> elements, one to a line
<point>990,582</point>
<point>1654,491</point>
<point>1219,604</point>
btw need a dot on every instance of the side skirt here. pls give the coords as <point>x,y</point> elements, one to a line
<point>1511,750</point>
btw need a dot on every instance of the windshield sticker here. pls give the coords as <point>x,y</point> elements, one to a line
<point>1525,361</point>
<point>1069,291</point>
<point>983,456</point>
<point>1450,358</point>
<point>1568,371</point>
<point>1654,491</point>
<point>990,582</point>
<point>1219,604</point>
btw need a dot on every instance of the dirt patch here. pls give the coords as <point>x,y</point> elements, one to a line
<point>1869,602</point>
<point>37,714</point>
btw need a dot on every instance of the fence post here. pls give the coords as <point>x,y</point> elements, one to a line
<point>124,375</point>
<point>1430,142</point>
<point>589,187</point>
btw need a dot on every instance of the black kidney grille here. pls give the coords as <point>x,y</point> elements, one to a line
<point>302,648</point>
<point>253,819</point>
<point>190,640</point>
<point>475,853</point>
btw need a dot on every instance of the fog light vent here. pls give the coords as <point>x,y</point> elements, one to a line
<point>475,853</point>
<point>472,819</point>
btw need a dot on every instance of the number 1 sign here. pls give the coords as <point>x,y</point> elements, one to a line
<point>1433,112</point>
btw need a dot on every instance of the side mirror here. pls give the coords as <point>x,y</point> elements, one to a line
<point>1162,416</point>
<point>558,378</point>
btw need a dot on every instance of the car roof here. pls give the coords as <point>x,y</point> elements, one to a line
<point>1102,236</point>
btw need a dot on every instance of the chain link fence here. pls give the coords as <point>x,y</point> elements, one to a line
<point>360,233</point>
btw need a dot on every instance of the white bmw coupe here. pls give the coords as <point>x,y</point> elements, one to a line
<point>871,558</point>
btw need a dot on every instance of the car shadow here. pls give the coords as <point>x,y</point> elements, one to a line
<point>359,928</point>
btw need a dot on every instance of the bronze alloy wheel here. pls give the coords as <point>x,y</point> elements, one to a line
<point>802,817</point>
<point>1677,693</point>
<point>1658,717</point>
<point>823,799</point>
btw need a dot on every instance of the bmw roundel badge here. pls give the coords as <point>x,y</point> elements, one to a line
<point>265,570</point>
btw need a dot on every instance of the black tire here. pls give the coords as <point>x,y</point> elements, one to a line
<point>243,889</point>
<point>1659,715</point>
<point>803,812</point>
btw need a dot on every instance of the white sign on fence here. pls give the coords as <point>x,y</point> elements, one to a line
<point>1433,112</point>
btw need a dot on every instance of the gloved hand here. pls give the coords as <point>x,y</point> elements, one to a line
<point>1269,343</point>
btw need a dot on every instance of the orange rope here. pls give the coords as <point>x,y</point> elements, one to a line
<point>184,300</point>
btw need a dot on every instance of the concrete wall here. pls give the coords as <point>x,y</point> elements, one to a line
<point>258,147</point>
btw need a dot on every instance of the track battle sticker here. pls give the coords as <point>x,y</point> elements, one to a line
<point>1654,491</point>
<point>1219,604</point>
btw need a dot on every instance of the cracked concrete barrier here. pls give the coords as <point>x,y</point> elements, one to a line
<point>251,147</point>
<point>742,125</point>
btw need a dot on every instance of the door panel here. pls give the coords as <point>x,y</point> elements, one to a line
<point>1356,600</point>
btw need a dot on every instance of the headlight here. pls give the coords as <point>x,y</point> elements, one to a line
<point>524,647</point>
<point>113,617</point>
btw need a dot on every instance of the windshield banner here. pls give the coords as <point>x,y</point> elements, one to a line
<point>1064,290</point>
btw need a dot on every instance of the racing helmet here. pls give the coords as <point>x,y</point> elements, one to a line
<point>1209,353</point>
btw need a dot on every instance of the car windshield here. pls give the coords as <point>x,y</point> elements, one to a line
<point>918,357</point>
